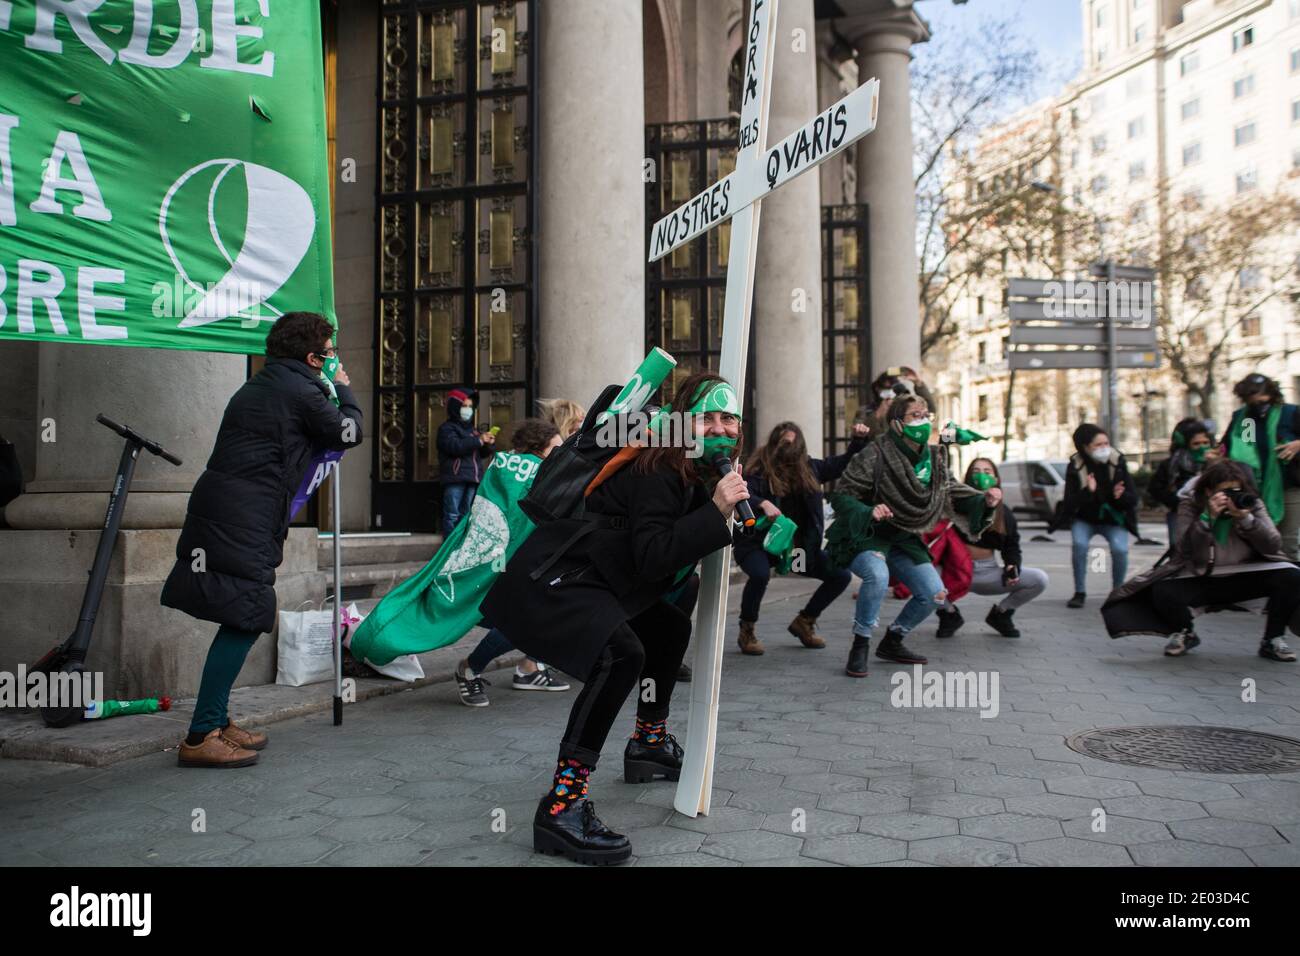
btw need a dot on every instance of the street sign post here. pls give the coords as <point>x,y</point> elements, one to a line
<point>1042,359</point>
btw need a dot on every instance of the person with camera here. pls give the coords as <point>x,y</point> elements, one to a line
<point>1020,584</point>
<point>784,480</point>
<point>238,516</point>
<point>1227,551</point>
<point>893,492</point>
<point>598,597</point>
<point>460,448</point>
<point>1263,436</point>
<point>1100,499</point>
<point>1191,448</point>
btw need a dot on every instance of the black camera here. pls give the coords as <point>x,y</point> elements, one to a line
<point>904,387</point>
<point>1242,499</point>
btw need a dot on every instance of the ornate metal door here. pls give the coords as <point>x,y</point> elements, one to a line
<point>685,289</point>
<point>846,321</point>
<point>456,263</point>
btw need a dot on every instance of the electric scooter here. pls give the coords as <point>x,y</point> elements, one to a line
<point>70,656</point>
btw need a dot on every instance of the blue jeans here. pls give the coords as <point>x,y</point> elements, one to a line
<point>1081,534</point>
<point>456,502</point>
<point>875,569</point>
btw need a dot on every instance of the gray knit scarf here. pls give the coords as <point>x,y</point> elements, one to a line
<point>917,507</point>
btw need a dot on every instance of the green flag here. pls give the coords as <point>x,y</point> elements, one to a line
<point>163,172</point>
<point>440,603</point>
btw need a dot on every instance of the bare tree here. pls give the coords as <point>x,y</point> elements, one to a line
<point>1218,266</point>
<point>961,85</point>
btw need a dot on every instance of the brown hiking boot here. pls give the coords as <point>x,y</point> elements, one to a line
<point>215,751</point>
<point>748,640</point>
<point>248,739</point>
<point>803,627</point>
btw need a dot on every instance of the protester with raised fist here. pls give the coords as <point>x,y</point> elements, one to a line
<point>783,480</point>
<point>1100,499</point>
<point>461,448</point>
<point>892,492</point>
<point>238,516</point>
<point>593,597</point>
<point>1227,551</point>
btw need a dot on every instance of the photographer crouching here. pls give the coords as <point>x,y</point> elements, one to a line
<point>1226,550</point>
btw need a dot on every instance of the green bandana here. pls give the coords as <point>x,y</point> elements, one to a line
<point>1221,526</point>
<point>964,436</point>
<point>1111,515</point>
<point>922,467</point>
<point>983,480</point>
<point>1198,454</point>
<point>919,433</point>
<point>720,398</point>
<point>1268,471</point>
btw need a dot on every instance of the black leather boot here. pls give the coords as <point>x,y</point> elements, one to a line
<point>1001,622</point>
<point>892,649</point>
<point>949,622</point>
<point>858,657</point>
<point>641,764</point>
<point>578,834</point>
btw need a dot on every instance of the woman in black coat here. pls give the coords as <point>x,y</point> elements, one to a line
<point>1189,450</point>
<point>238,515</point>
<point>1099,499</point>
<point>783,479</point>
<point>588,595</point>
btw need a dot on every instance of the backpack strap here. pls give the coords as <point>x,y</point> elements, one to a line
<point>621,458</point>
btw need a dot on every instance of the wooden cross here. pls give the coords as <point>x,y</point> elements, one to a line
<point>759,170</point>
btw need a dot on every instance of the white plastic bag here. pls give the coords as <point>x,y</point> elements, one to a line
<point>305,650</point>
<point>404,668</point>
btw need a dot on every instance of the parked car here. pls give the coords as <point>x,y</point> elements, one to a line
<point>1033,487</point>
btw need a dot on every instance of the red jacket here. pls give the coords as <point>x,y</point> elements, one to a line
<point>951,556</point>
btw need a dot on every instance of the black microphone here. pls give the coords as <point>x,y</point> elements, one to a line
<point>723,464</point>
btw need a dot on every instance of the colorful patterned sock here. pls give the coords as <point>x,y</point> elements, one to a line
<point>570,784</point>
<point>650,732</point>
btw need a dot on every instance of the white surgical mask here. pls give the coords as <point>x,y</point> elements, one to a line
<point>1101,455</point>
<point>466,413</point>
<point>886,394</point>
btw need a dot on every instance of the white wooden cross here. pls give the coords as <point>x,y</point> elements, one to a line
<point>758,171</point>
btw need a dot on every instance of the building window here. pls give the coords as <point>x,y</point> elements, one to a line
<point>1139,33</point>
<point>1136,127</point>
<point>1193,198</point>
<point>1295,158</point>
<point>1243,86</point>
<point>1099,184</point>
<point>1074,159</point>
<point>983,412</point>
<point>1294,9</point>
<point>1137,170</point>
<point>1138,214</point>
<point>1101,17</point>
<point>1295,60</point>
<point>1242,38</point>
<point>1189,62</point>
<point>1030,250</point>
<point>1101,53</point>
<point>1250,327</point>
<point>1191,154</point>
<point>1251,279</point>
<point>1295,111</point>
<point>1243,134</point>
<point>1099,144</point>
<point>1247,179</point>
<point>1191,109</point>
<point>979,305</point>
<point>982,353</point>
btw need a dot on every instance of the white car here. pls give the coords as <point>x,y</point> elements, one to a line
<point>1033,487</point>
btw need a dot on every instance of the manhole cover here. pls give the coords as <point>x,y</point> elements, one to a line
<point>1205,749</point>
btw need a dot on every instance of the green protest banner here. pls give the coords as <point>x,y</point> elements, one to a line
<point>163,171</point>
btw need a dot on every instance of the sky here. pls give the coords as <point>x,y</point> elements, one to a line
<point>1055,25</point>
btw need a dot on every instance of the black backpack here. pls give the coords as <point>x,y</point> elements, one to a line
<point>559,489</point>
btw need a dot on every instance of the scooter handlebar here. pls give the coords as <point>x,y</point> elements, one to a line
<point>151,446</point>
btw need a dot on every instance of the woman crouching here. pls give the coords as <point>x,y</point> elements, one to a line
<point>587,595</point>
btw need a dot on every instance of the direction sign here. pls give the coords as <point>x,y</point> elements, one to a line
<point>1085,300</point>
<point>1081,358</point>
<point>1124,273</point>
<point>1144,338</point>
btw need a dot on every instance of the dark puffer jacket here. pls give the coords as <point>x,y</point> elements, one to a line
<point>460,448</point>
<point>239,511</point>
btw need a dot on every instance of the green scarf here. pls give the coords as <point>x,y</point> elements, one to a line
<point>1221,526</point>
<point>1266,468</point>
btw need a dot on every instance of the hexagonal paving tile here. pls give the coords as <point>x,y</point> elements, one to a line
<point>1164,809</point>
<point>1056,805</point>
<point>862,802</point>
<point>961,851</point>
<point>855,849</point>
<point>957,804</point>
<point>1098,787</point>
<point>811,823</point>
<point>1011,827</point>
<point>1186,853</point>
<point>751,845</point>
<point>719,820</point>
<point>1067,851</point>
<point>908,826</point>
<point>1219,832</point>
<point>1125,831</point>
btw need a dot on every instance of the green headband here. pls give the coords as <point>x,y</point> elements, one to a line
<point>720,397</point>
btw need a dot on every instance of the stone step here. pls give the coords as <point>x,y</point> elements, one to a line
<point>378,549</point>
<point>363,581</point>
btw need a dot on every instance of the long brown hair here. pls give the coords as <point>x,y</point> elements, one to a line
<point>999,516</point>
<point>784,475</point>
<point>674,458</point>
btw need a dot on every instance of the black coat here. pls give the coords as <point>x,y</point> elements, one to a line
<point>608,576</point>
<point>1079,502</point>
<point>812,529</point>
<point>238,513</point>
<point>460,451</point>
<point>1007,543</point>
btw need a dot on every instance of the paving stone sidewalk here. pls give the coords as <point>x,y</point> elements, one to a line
<point>814,768</point>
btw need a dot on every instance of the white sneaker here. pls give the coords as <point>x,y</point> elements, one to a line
<point>1276,649</point>
<point>540,679</point>
<point>1182,642</point>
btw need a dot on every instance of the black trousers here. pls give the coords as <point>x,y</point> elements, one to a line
<point>1173,598</point>
<point>642,655</point>
<point>758,569</point>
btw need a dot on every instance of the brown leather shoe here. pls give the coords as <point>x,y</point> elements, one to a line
<point>803,627</point>
<point>748,640</point>
<point>215,751</point>
<point>248,739</point>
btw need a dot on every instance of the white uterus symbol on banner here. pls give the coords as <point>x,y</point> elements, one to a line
<point>736,197</point>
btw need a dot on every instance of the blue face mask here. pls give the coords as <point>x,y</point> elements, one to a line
<point>466,413</point>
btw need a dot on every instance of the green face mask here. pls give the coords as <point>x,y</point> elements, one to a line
<point>330,367</point>
<point>1198,454</point>
<point>983,480</point>
<point>715,445</point>
<point>919,433</point>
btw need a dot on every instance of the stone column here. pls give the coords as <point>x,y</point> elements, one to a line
<point>787,286</point>
<point>592,198</point>
<point>707,67</point>
<point>886,182</point>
